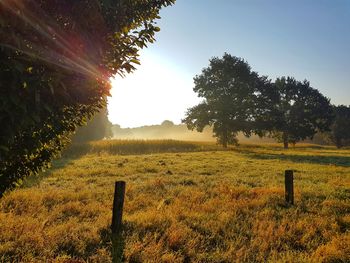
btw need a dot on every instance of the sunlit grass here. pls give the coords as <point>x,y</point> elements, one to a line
<point>198,205</point>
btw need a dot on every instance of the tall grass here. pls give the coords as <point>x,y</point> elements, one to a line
<point>197,206</point>
<point>124,147</point>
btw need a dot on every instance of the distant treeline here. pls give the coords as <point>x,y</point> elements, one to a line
<point>169,130</point>
<point>166,130</point>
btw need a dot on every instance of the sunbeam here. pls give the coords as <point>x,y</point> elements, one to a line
<point>68,51</point>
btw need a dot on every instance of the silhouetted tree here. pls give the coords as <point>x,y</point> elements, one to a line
<point>98,128</point>
<point>228,89</point>
<point>298,112</point>
<point>340,128</point>
<point>167,123</point>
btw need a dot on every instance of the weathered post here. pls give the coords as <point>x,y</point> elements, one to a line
<point>118,203</point>
<point>289,188</point>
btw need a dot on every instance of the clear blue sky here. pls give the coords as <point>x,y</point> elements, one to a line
<point>307,39</point>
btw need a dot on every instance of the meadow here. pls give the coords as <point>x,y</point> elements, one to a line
<point>185,202</point>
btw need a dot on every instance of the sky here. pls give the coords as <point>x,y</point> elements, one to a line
<point>306,39</point>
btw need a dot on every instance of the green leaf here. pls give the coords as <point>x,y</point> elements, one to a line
<point>135,61</point>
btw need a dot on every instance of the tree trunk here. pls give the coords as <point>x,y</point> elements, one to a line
<point>285,140</point>
<point>338,143</point>
<point>224,142</point>
<point>224,139</point>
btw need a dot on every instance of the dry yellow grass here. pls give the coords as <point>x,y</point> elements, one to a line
<point>200,206</point>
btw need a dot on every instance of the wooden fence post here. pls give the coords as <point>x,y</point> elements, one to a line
<point>117,216</point>
<point>289,188</point>
<point>118,204</point>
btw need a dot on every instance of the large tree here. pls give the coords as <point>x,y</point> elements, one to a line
<point>228,88</point>
<point>56,60</point>
<point>297,111</point>
<point>340,128</point>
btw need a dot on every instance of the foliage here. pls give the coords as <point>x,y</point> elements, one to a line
<point>320,138</point>
<point>236,99</point>
<point>56,60</point>
<point>298,111</point>
<point>98,128</point>
<point>213,206</point>
<point>228,89</point>
<point>340,129</point>
<point>167,123</point>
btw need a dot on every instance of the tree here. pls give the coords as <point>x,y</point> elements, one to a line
<point>298,112</point>
<point>228,89</point>
<point>98,128</point>
<point>340,128</point>
<point>56,60</point>
<point>167,123</point>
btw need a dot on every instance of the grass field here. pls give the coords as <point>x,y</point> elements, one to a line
<point>185,202</point>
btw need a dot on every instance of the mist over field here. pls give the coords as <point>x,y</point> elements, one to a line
<point>169,130</point>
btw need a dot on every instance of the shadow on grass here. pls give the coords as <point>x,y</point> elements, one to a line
<point>343,161</point>
<point>115,243</point>
<point>118,244</point>
<point>56,164</point>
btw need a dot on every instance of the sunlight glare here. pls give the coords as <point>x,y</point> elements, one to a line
<point>155,92</point>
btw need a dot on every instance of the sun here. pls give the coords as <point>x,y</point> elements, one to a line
<point>155,92</point>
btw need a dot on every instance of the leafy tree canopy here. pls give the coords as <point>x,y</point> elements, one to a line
<point>56,60</point>
<point>340,128</point>
<point>228,88</point>
<point>298,111</point>
<point>236,99</point>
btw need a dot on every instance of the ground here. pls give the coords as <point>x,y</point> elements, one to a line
<point>184,203</point>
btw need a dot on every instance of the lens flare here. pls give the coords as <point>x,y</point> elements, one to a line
<point>67,49</point>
